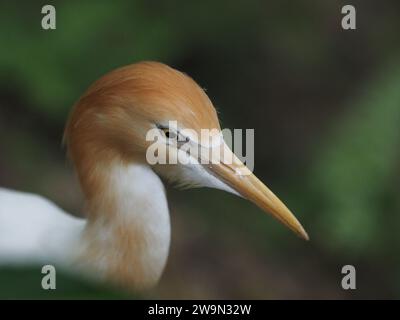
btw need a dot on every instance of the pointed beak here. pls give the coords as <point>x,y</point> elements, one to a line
<point>235,174</point>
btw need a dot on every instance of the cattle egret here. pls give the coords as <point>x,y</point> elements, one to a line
<point>125,236</point>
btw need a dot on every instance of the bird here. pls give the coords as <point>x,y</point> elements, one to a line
<point>124,235</point>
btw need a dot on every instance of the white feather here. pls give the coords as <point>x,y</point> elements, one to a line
<point>34,230</point>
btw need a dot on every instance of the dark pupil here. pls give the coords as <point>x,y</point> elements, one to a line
<point>168,134</point>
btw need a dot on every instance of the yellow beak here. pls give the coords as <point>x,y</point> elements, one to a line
<point>235,174</point>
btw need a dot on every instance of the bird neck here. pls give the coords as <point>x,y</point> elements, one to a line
<point>128,231</point>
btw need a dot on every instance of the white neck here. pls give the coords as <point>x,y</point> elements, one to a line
<point>128,238</point>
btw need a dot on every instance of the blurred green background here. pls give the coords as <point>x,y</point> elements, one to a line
<point>324,103</point>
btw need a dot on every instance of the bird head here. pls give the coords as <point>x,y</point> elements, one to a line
<point>149,110</point>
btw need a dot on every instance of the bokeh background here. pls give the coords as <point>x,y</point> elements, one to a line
<point>324,103</point>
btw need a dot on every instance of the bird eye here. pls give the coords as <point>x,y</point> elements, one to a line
<point>170,134</point>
